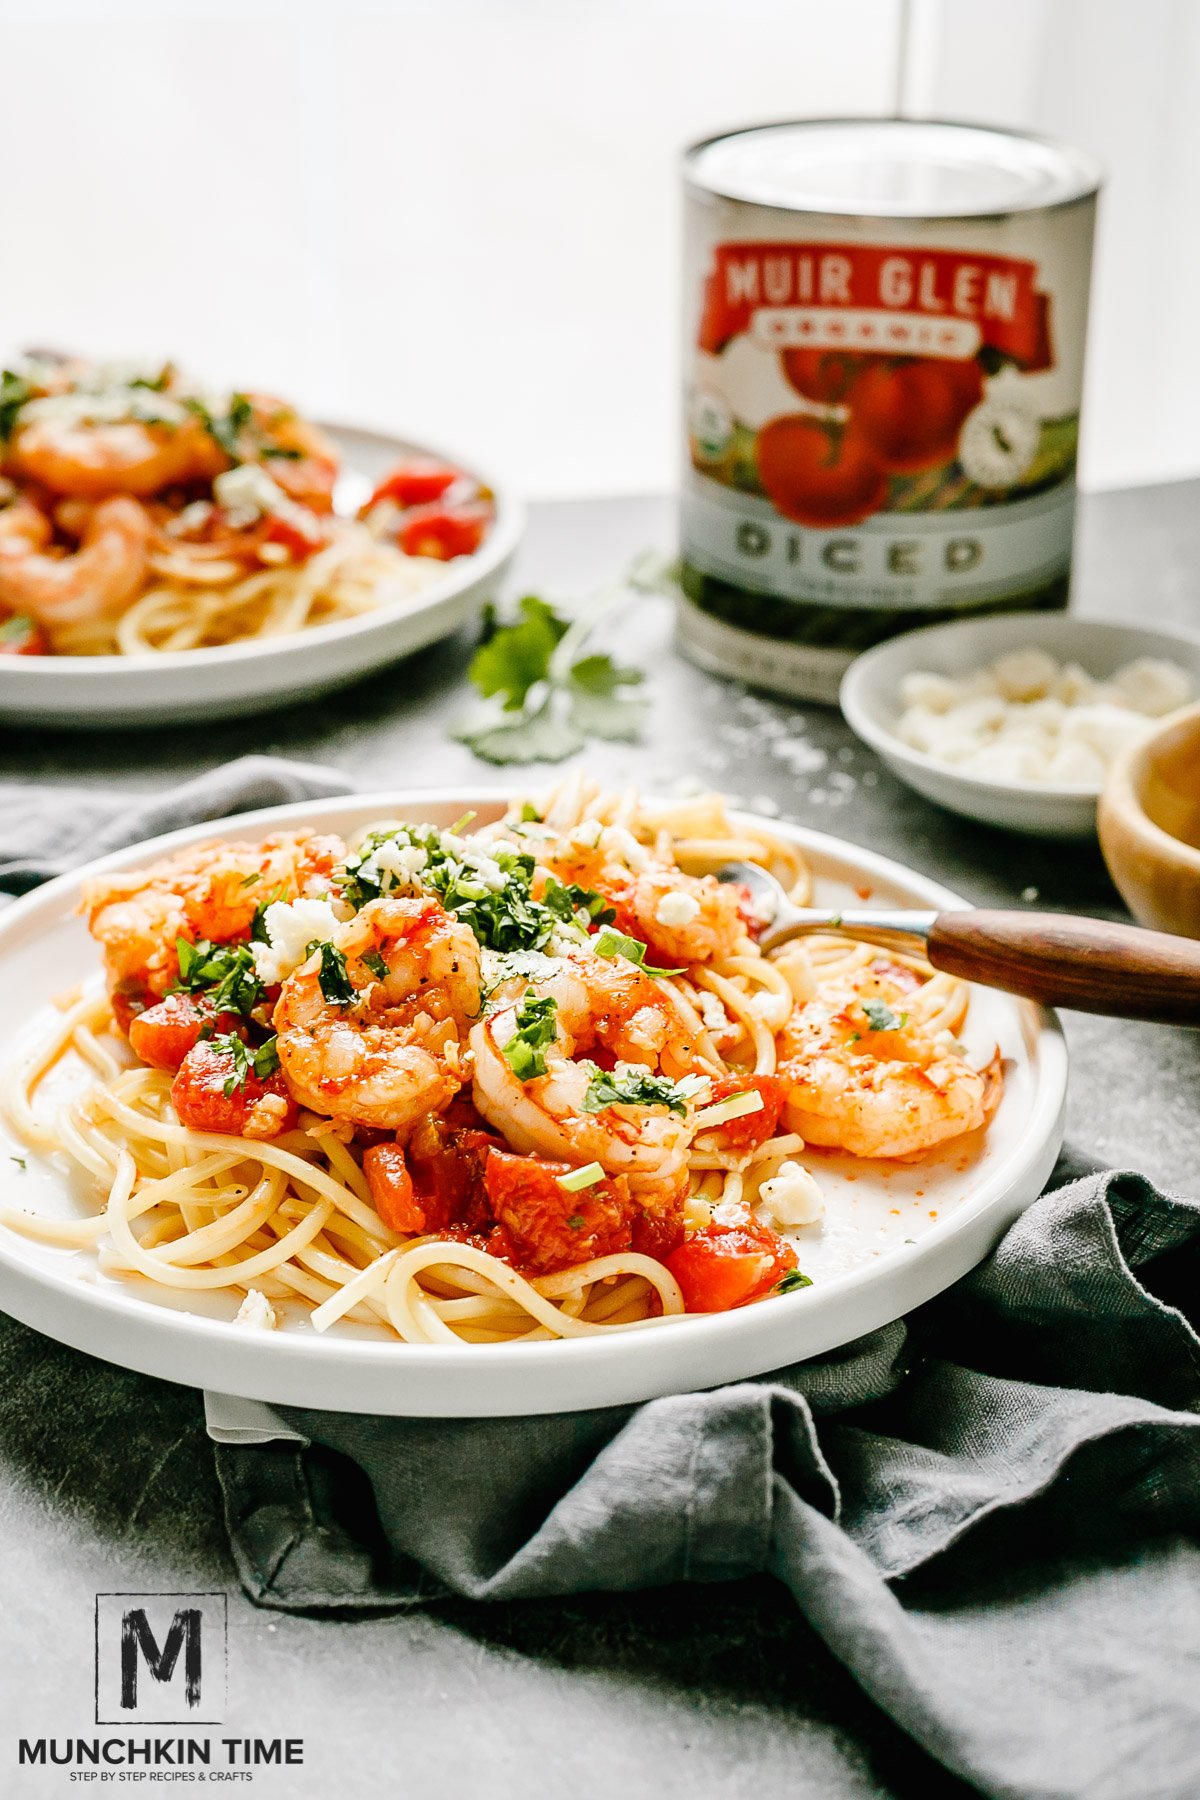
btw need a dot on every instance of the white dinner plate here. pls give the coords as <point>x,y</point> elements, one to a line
<point>893,1234</point>
<point>176,687</point>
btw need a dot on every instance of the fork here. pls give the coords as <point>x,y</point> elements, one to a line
<point>1059,959</point>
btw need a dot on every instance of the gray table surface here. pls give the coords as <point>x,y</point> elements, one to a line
<point>105,1478</point>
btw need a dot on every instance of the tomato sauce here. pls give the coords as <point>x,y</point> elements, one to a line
<point>885,334</point>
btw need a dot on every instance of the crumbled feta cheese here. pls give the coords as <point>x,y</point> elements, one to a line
<point>1025,674</point>
<point>677,908</point>
<point>791,1197</point>
<point>248,488</point>
<point>290,927</point>
<point>1026,718</point>
<point>586,835</point>
<point>403,862</point>
<point>1152,687</point>
<point>256,1312</point>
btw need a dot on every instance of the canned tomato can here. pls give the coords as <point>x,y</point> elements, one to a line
<point>884,331</point>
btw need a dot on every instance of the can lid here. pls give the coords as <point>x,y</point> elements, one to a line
<point>891,168</point>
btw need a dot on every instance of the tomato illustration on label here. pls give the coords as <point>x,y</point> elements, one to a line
<point>911,408</point>
<point>820,472</point>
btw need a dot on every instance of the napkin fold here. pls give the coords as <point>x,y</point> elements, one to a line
<point>988,1510</point>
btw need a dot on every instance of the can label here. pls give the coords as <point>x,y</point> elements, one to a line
<point>887,422</point>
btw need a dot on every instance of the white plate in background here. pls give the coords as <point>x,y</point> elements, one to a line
<point>870,699</point>
<point>181,686</point>
<point>893,1235</point>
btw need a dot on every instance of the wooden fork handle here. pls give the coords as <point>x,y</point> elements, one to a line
<point>1089,964</point>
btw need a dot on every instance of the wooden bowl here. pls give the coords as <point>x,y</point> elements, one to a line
<point>1149,818</point>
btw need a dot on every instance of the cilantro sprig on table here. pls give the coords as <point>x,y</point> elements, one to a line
<point>545,693</point>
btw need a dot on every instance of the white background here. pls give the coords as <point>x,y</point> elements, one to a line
<point>459,218</point>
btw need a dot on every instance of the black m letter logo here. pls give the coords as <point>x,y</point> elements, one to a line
<point>138,1639</point>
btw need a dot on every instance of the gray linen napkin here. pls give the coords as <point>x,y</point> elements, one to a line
<point>44,831</point>
<point>988,1510</point>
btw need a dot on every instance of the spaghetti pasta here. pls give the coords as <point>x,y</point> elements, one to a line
<point>628,1128</point>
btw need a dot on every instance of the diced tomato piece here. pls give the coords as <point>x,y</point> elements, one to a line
<point>723,1266</point>
<point>128,999</point>
<point>657,1234</point>
<point>415,483</point>
<point>751,1129</point>
<point>747,911</point>
<point>20,636</point>
<point>391,1188</point>
<point>444,531</point>
<point>550,1227</point>
<point>297,530</point>
<point>446,1164</point>
<point>163,1034</point>
<point>255,1109</point>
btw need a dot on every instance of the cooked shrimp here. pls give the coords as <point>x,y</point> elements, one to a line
<point>97,581</point>
<point>389,1055</point>
<point>546,1115</point>
<point>305,462</point>
<point>26,524</point>
<point>75,456</point>
<point>877,1086</point>
<point>210,892</point>
<point>611,1002</point>
<point>685,918</point>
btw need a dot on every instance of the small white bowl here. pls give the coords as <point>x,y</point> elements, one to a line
<point>870,699</point>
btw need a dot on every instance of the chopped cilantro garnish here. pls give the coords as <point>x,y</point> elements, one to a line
<point>336,984</point>
<point>611,943</point>
<point>14,392</point>
<point>577,905</point>
<point>530,814</point>
<point>224,428</point>
<point>503,917</point>
<point>635,1087</point>
<point>791,1281</point>
<point>281,453</point>
<point>880,1016</point>
<point>20,1161</point>
<point>262,1062</point>
<point>249,880</point>
<point>576,1222</point>
<point>258,928</point>
<point>224,972</point>
<point>537,1028</point>
<point>17,629</point>
<point>372,960</point>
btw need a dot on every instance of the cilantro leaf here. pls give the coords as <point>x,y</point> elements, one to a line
<point>226,428</point>
<point>335,983</point>
<point>792,1281</point>
<point>880,1016</point>
<point>576,905</point>
<point>261,1062</point>
<point>601,675</point>
<point>372,960</point>
<point>537,1027</point>
<point>225,973</point>
<point>634,1087</point>
<point>14,392</point>
<point>610,943</point>
<point>540,736</point>
<point>512,658</point>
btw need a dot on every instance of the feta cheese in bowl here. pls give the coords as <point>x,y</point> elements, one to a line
<point>1015,719</point>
